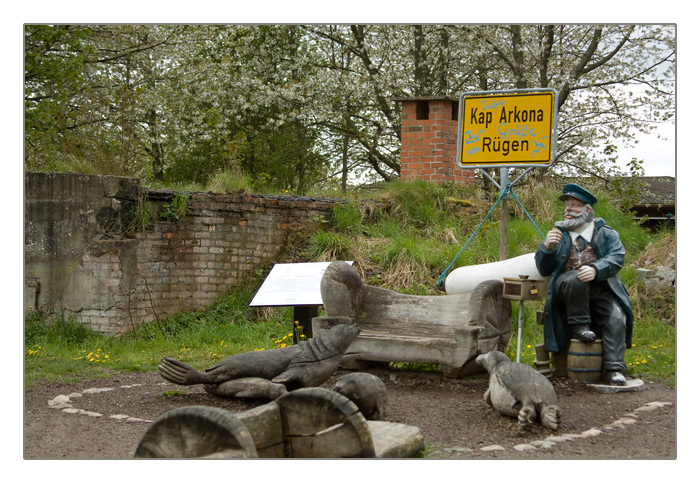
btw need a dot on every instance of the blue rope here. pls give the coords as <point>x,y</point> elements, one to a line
<point>504,193</point>
<point>440,281</point>
<point>528,214</point>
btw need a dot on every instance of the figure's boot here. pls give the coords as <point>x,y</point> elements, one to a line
<point>615,377</point>
<point>582,332</point>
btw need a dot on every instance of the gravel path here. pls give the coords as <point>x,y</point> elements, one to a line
<point>105,418</point>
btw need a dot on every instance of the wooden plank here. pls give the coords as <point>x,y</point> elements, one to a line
<point>396,440</point>
<point>265,425</point>
<point>429,316</point>
<point>308,414</point>
<point>339,441</point>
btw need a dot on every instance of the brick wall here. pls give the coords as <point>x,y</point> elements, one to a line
<point>77,262</point>
<point>429,141</point>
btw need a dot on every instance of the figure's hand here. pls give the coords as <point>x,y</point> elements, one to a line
<point>553,237</point>
<point>586,273</point>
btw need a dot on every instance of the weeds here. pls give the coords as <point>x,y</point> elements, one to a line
<point>346,218</point>
<point>230,181</point>
<point>176,208</point>
<point>172,393</point>
<point>140,217</point>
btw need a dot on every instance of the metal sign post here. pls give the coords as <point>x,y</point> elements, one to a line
<point>504,129</point>
<point>503,248</point>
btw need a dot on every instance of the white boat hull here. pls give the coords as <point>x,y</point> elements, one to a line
<point>465,279</point>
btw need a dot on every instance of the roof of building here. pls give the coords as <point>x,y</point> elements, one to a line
<point>654,190</point>
<point>657,190</point>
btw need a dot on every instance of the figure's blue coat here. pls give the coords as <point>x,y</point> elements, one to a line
<point>611,255</point>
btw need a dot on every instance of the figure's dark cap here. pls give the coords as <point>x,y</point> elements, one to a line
<point>572,190</point>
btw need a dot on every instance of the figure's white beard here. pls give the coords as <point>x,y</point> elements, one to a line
<point>578,220</point>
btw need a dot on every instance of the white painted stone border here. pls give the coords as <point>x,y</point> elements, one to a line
<point>551,441</point>
<point>65,403</point>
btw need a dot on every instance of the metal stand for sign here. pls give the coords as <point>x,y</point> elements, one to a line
<point>506,189</point>
<point>511,121</point>
<point>520,329</point>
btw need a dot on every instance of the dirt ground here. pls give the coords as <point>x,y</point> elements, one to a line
<point>455,420</point>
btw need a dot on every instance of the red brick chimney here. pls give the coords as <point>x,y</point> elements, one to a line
<point>429,140</point>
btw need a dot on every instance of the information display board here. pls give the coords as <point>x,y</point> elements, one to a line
<point>516,128</point>
<point>292,284</point>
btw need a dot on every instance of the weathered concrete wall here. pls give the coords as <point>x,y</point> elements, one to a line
<point>77,260</point>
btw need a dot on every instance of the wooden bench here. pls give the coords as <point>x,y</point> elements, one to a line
<point>449,330</point>
<point>306,423</point>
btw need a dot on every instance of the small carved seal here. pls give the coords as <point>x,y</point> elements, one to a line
<point>306,364</point>
<point>366,390</point>
<point>518,390</point>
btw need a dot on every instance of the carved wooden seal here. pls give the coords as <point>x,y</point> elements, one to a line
<point>307,364</point>
<point>520,391</point>
<point>366,390</point>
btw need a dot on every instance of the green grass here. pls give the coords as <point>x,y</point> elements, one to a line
<point>652,355</point>
<point>406,244</point>
<point>63,350</point>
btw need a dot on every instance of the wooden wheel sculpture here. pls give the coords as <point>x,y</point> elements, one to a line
<point>197,432</point>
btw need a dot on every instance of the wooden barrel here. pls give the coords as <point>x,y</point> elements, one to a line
<point>584,361</point>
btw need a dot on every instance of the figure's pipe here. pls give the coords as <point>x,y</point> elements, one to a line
<point>465,279</point>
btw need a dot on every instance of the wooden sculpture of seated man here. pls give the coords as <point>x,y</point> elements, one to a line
<point>586,299</point>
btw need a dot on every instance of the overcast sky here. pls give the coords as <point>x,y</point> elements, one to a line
<point>659,155</point>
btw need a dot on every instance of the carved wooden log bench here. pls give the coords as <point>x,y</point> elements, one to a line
<point>450,330</point>
<point>305,423</point>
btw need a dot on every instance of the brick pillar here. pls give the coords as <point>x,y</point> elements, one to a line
<point>429,141</point>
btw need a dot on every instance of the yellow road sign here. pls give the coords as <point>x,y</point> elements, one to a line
<point>507,128</point>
